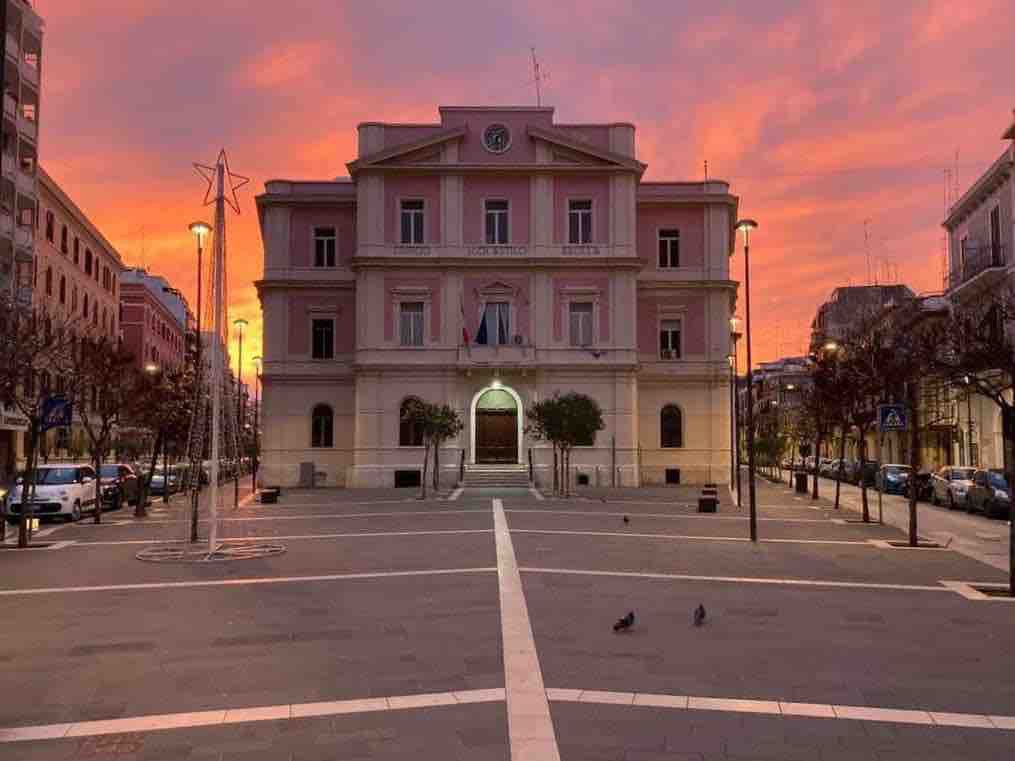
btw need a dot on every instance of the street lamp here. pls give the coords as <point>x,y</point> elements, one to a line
<point>239,324</point>
<point>745,226</point>
<point>735,335</point>
<point>257,405</point>
<point>151,368</point>
<point>200,231</point>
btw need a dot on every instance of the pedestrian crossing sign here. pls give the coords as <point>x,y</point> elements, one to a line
<point>892,417</point>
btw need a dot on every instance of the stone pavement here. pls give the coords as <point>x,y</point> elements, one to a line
<point>480,627</point>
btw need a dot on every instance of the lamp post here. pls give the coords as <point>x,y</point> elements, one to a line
<point>255,458</point>
<point>199,230</point>
<point>735,336</point>
<point>745,226</point>
<point>239,324</point>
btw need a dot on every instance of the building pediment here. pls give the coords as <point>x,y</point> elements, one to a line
<point>417,151</point>
<point>568,149</point>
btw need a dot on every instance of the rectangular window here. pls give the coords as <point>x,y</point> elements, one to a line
<point>669,339</point>
<point>669,248</point>
<point>579,222</point>
<point>581,323</point>
<point>412,223</point>
<point>411,325</point>
<point>496,222</point>
<point>995,237</point>
<point>324,246</point>
<point>496,325</point>
<point>323,339</point>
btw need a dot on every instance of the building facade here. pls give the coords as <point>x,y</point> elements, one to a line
<point>19,196</point>
<point>981,236</point>
<point>849,306</point>
<point>155,319</point>
<point>488,261</point>
<point>76,281</point>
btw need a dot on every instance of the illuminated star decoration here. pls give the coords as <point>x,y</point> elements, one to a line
<point>232,182</point>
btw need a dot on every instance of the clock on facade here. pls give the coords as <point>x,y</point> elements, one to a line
<point>496,138</point>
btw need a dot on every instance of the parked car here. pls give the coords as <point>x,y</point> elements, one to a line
<point>989,494</point>
<point>826,467</point>
<point>60,491</point>
<point>120,485</point>
<point>867,473</point>
<point>892,478</point>
<point>922,482</point>
<point>951,484</point>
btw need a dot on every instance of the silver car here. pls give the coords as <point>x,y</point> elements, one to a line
<point>950,486</point>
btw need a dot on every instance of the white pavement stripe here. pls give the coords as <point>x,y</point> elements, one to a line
<point>240,582</point>
<point>273,537</point>
<point>530,727</point>
<point>284,711</point>
<point>743,580</point>
<point>303,517</point>
<point>453,497</point>
<point>673,516</point>
<point>699,537</point>
<point>536,493</point>
<point>784,708</point>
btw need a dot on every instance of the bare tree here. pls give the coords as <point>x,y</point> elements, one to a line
<point>977,351</point>
<point>34,348</point>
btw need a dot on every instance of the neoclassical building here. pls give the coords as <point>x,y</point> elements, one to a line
<point>488,261</point>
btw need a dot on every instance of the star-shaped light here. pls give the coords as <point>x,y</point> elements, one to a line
<point>232,183</point>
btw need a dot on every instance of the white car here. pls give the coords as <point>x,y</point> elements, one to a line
<point>60,490</point>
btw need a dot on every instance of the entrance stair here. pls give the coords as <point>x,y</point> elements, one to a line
<point>496,476</point>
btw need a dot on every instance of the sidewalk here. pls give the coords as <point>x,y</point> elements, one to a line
<point>972,535</point>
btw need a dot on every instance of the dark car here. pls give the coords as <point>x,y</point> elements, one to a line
<point>989,494</point>
<point>867,473</point>
<point>892,479</point>
<point>120,485</point>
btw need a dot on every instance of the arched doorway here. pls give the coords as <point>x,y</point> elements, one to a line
<point>496,426</point>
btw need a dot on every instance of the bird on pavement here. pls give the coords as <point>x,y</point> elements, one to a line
<point>626,519</point>
<point>699,615</point>
<point>625,623</point>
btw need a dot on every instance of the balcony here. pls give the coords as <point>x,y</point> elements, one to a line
<point>981,267</point>
<point>496,355</point>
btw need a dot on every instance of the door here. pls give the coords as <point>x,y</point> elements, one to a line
<point>496,436</point>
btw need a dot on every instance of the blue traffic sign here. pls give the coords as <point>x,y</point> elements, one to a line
<point>56,413</point>
<point>892,417</point>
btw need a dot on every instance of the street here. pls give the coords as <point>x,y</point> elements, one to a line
<point>394,628</point>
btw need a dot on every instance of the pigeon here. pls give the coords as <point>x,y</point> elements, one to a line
<point>625,623</point>
<point>626,519</point>
<point>699,615</point>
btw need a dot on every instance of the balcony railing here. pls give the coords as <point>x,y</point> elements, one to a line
<point>977,260</point>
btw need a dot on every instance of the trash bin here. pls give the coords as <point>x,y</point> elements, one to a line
<point>709,499</point>
<point>801,482</point>
<point>269,496</point>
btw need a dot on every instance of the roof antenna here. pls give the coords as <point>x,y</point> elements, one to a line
<point>867,248</point>
<point>538,77</point>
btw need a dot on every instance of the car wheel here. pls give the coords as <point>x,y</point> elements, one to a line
<point>118,502</point>
<point>951,501</point>
<point>75,512</point>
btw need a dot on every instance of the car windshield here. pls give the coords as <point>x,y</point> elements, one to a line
<point>897,470</point>
<point>55,476</point>
<point>110,471</point>
<point>998,481</point>
<point>961,474</point>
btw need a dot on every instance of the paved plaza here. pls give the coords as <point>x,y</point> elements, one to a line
<point>480,626</point>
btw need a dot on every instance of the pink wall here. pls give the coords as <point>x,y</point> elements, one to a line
<point>302,308</point>
<point>690,220</point>
<point>599,281</point>
<point>514,189</point>
<point>593,134</point>
<point>427,188</point>
<point>473,301</point>
<point>596,188</point>
<point>522,149</point>
<point>694,318</point>
<point>395,135</point>
<point>301,232</point>
<point>395,280</point>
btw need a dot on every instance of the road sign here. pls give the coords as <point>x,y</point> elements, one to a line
<point>892,417</point>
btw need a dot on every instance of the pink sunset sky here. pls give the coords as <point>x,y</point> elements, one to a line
<point>820,115</point>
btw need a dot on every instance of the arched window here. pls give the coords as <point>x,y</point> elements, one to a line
<point>409,433</point>
<point>49,281</point>
<point>63,289</point>
<point>671,427</point>
<point>63,239</point>
<point>49,226</point>
<point>85,310</point>
<point>322,421</point>
<point>88,261</point>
